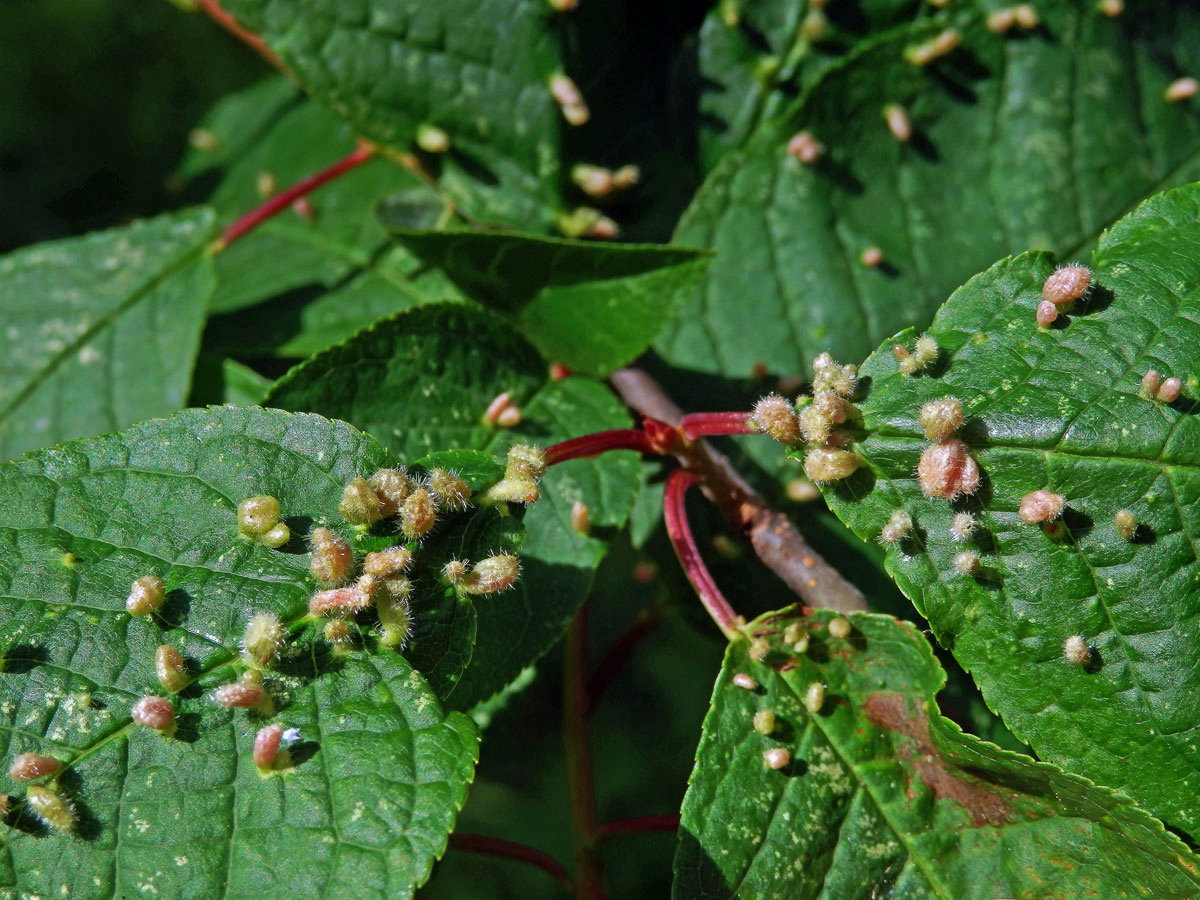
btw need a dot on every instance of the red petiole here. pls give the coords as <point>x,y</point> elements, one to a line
<point>696,425</point>
<point>283,200</point>
<point>680,533</point>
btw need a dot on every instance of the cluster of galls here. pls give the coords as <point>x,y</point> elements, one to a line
<point>258,520</point>
<point>392,493</point>
<point>795,643</point>
<point>384,583</point>
<point>815,423</point>
<point>1065,285</point>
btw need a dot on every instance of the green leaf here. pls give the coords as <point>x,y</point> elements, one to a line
<point>101,331</point>
<point>1059,409</point>
<point>882,796</point>
<point>479,72</point>
<point>379,770</point>
<point>421,381</point>
<point>307,321</point>
<point>288,251</point>
<point>754,58</point>
<point>1037,139</point>
<point>592,307</point>
<point>218,380</point>
<point>235,124</point>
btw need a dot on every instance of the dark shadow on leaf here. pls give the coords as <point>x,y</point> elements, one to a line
<point>924,147</point>
<point>174,611</point>
<point>302,751</point>
<point>839,175</point>
<point>857,486</point>
<point>475,169</point>
<point>187,726</point>
<point>309,660</point>
<point>958,74</point>
<point>22,658</point>
<point>1078,524</point>
<point>1144,534</point>
<point>1098,299</point>
<point>300,526</point>
<point>70,787</point>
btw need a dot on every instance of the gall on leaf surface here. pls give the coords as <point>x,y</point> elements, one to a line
<point>882,796</point>
<point>738,86</point>
<point>421,382</point>
<point>1060,410</point>
<point>1038,139</point>
<point>101,331</point>
<point>378,770</point>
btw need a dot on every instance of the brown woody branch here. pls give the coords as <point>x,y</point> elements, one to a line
<point>772,535</point>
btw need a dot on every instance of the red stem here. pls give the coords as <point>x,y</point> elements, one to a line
<point>600,442</point>
<point>697,425</point>
<point>577,752</point>
<point>675,516</point>
<point>213,10</point>
<point>479,843</point>
<point>639,824</point>
<point>281,201</point>
<point>620,652</point>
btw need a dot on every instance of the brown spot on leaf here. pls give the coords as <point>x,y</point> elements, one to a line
<point>984,804</point>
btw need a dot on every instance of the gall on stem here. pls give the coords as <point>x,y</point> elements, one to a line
<point>684,543</point>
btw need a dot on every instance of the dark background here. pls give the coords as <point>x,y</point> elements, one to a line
<point>96,101</point>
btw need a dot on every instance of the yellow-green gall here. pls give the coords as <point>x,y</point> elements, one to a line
<point>525,461</point>
<point>839,627</point>
<point>146,595</point>
<point>276,536</point>
<point>764,721</point>
<point>814,697</point>
<point>418,514</point>
<point>51,808</point>
<point>1126,524</point>
<point>941,418</point>
<point>257,515</point>
<point>776,416</point>
<point>392,487</point>
<point>262,638</point>
<point>360,505</point>
<point>496,573</point>
<point>395,613</point>
<point>170,668</point>
<point>824,464</point>
<point>451,491</point>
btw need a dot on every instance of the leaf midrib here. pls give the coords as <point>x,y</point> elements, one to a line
<point>105,321</point>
